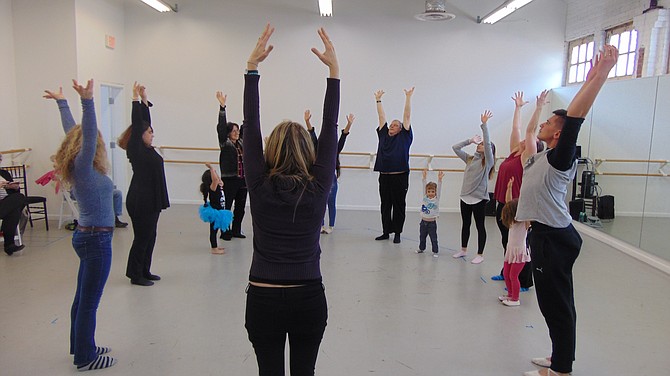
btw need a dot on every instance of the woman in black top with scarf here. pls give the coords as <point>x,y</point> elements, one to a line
<point>147,194</point>
<point>232,168</point>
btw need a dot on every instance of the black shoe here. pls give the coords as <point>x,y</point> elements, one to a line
<point>382,237</point>
<point>119,224</point>
<point>240,236</point>
<point>141,282</point>
<point>9,250</point>
<point>227,237</point>
<point>152,277</point>
<point>396,238</point>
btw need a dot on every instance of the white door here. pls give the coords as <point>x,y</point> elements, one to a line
<point>112,124</point>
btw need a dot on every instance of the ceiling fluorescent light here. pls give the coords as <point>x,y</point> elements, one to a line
<point>503,11</point>
<point>160,6</point>
<point>326,8</point>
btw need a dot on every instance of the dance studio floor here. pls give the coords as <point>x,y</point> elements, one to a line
<point>391,312</point>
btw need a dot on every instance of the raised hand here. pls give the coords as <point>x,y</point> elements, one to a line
<point>486,116</point>
<point>518,99</point>
<point>54,95</point>
<point>424,174</point>
<point>603,62</point>
<point>476,139</point>
<point>136,91</point>
<point>222,98</point>
<point>379,94</point>
<point>328,56</point>
<point>409,92</point>
<point>440,175</point>
<point>307,116</point>
<point>541,99</point>
<point>84,92</point>
<point>143,93</point>
<point>510,182</point>
<point>350,119</point>
<point>262,49</point>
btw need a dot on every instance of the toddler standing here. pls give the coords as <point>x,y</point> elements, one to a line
<point>430,210</point>
<point>214,211</point>
<point>516,254</point>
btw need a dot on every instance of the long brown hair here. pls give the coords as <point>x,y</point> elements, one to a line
<point>70,148</point>
<point>509,212</point>
<point>124,137</point>
<point>289,153</point>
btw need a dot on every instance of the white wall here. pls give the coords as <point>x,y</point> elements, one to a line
<point>459,69</point>
<point>10,134</point>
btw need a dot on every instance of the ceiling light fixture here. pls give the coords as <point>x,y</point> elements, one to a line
<point>507,8</point>
<point>160,6</point>
<point>326,8</point>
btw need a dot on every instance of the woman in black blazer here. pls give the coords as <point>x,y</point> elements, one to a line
<point>147,194</point>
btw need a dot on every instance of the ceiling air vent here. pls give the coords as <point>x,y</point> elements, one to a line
<point>436,10</point>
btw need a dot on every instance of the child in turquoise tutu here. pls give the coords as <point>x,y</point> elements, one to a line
<point>213,210</point>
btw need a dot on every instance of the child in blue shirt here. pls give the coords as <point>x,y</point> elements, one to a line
<point>430,210</point>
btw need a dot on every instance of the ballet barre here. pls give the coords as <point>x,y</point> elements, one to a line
<point>661,172</point>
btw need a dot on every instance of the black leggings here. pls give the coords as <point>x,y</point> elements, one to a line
<point>479,211</point>
<point>274,313</point>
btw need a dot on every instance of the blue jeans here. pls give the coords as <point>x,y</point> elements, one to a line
<point>332,196</point>
<point>118,202</point>
<point>95,259</point>
<point>428,228</point>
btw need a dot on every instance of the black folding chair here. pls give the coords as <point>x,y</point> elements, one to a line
<point>37,205</point>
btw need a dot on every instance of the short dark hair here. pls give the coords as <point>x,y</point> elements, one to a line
<point>561,112</point>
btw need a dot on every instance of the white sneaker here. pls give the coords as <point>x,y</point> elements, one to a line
<point>328,229</point>
<point>459,254</point>
<point>503,298</point>
<point>419,251</point>
<point>435,255</point>
<point>323,229</point>
<point>542,362</point>
<point>511,303</point>
<point>477,260</point>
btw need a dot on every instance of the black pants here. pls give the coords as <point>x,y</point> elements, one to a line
<point>141,252</point>
<point>553,253</point>
<point>479,212</point>
<point>392,192</point>
<point>10,214</point>
<point>428,228</point>
<point>235,191</point>
<point>273,313</point>
<point>526,275</point>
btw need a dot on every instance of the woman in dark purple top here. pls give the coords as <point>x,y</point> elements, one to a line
<point>288,187</point>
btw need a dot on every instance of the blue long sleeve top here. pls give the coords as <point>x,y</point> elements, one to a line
<point>94,189</point>
<point>287,217</point>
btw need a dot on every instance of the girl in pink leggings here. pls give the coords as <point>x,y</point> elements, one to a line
<point>516,254</point>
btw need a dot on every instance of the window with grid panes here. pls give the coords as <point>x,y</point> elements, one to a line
<point>624,38</point>
<point>580,53</point>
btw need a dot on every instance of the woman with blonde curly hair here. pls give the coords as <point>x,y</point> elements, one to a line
<point>82,160</point>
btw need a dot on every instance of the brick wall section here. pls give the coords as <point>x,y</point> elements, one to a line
<point>593,17</point>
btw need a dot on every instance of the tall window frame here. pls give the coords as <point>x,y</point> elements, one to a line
<point>625,39</point>
<point>580,53</point>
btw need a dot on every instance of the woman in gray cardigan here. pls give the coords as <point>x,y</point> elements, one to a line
<point>474,193</point>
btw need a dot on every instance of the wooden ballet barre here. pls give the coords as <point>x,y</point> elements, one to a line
<point>188,162</point>
<point>632,160</point>
<point>14,151</point>
<point>357,153</point>
<point>630,174</point>
<point>356,167</point>
<point>187,148</point>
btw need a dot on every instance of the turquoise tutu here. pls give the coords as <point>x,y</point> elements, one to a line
<point>220,219</point>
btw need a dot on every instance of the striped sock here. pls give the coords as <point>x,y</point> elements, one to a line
<point>99,350</point>
<point>100,362</point>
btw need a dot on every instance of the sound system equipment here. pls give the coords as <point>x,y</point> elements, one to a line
<point>606,207</point>
<point>588,184</point>
<point>576,207</point>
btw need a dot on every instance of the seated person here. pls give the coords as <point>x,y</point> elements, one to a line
<point>12,203</point>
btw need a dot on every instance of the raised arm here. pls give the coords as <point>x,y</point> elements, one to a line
<point>216,180</point>
<point>515,135</point>
<point>583,100</point>
<point>407,113</point>
<point>89,129</point>
<point>508,192</point>
<point>440,175</point>
<point>531,130</point>
<point>424,176</point>
<point>563,155</point>
<point>380,108</point>
<point>310,128</point>
<point>326,153</point>
<point>488,150</point>
<point>345,133</point>
<point>222,129</point>
<point>254,165</point>
<point>458,148</point>
<point>66,119</point>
